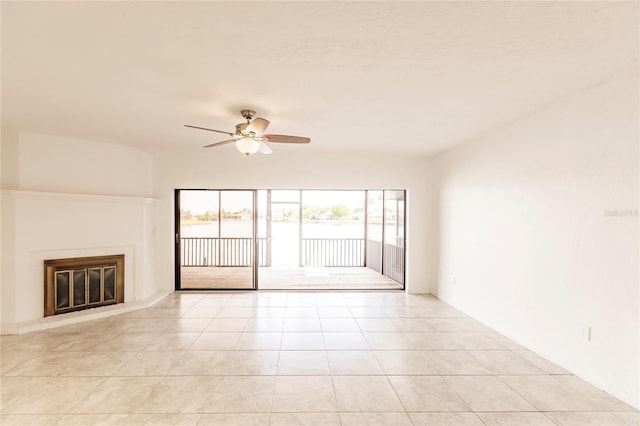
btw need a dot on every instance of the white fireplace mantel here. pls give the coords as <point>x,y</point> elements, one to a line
<point>47,225</point>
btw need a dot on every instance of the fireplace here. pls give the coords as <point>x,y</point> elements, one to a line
<point>82,282</point>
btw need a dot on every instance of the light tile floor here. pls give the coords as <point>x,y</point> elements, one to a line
<point>287,358</point>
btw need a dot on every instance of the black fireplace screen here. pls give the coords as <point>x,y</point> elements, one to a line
<point>86,286</point>
<point>80,283</point>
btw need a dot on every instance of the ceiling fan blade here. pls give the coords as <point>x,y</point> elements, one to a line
<point>258,126</point>
<point>219,143</point>
<point>210,130</point>
<point>286,139</point>
<point>265,149</point>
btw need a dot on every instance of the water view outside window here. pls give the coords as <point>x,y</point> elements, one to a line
<point>293,228</point>
<point>333,214</point>
<point>325,214</point>
<point>216,232</point>
<point>199,213</point>
<point>297,216</point>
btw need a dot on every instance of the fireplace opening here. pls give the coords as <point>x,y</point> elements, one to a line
<point>82,282</point>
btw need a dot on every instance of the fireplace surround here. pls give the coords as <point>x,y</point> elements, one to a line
<point>79,283</point>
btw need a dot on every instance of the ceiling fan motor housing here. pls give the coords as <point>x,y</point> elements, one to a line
<point>241,129</point>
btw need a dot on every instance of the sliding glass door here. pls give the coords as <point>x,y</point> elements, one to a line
<point>386,233</point>
<point>394,235</point>
<point>215,239</point>
<point>291,239</point>
<point>374,230</point>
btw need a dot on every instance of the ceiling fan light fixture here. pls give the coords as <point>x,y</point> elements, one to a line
<point>249,137</point>
<point>247,146</point>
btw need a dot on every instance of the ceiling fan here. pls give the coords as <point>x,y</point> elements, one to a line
<point>250,138</point>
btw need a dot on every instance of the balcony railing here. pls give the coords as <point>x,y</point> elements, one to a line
<point>333,251</point>
<point>341,252</point>
<point>213,251</point>
<point>394,262</point>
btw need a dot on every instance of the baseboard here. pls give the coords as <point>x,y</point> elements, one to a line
<point>79,316</point>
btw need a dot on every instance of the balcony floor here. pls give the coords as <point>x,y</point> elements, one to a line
<point>287,278</point>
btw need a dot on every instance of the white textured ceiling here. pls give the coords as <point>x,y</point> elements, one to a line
<point>415,77</point>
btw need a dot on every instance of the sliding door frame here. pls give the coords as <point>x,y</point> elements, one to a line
<point>177,236</point>
<point>404,233</point>
<point>256,242</point>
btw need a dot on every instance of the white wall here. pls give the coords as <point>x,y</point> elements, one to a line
<point>528,242</point>
<point>299,168</point>
<point>93,193</point>
<point>64,198</point>
<point>59,164</point>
